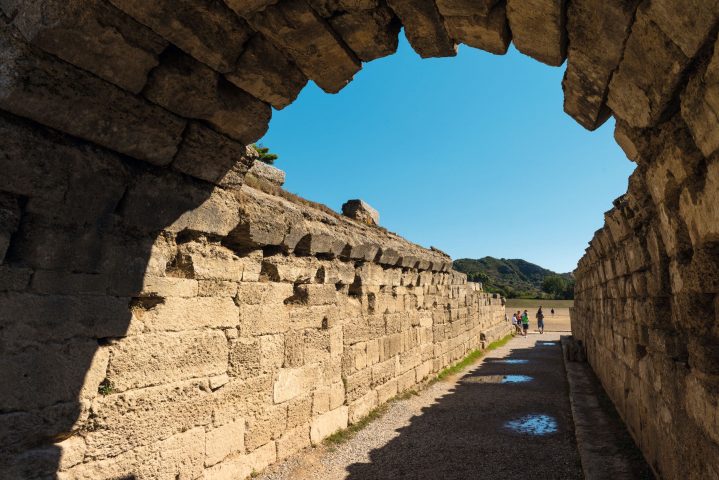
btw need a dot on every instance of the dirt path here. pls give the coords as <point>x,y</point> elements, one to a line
<point>484,424</point>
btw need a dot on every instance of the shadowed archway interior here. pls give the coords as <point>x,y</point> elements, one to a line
<point>153,305</point>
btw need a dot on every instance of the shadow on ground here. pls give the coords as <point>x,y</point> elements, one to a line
<point>464,434</point>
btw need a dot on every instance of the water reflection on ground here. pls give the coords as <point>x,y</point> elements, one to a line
<point>533,425</point>
<point>513,361</point>
<point>516,378</point>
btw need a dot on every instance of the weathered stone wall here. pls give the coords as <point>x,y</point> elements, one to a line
<point>154,325</point>
<point>123,146</point>
<point>647,295</point>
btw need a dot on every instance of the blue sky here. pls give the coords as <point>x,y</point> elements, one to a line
<point>471,154</point>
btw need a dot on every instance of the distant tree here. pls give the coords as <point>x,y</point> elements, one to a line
<point>555,285</point>
<point>265,155</point>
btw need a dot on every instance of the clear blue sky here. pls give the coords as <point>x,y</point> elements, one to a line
<point>471,154</point>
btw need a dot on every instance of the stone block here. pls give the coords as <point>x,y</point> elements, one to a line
<point>143,417</point>
<point>267,73</point>
<point>293,382</point>
<point>224,441</point>
<point>58,95</point>
<point>178,205</point>
<point>538,29</point>
<point>207,30</point>
<point>213,157</point>
<point>267,425</point>
<point>241,399</point>
<point>254,356</point>
<point>361,407</point>
<point>597,33</point>
<point>358,384</point>
<point>263,319</point>
<point>490,33</point>
<point>267,174</point>
<point>173,457</point>
<point>153,359</point>
<point>293,441</point>
<point>30,319</point>
<point>645,82</point>
<point>328,423</point>
<point>153,286</point>
<point>296,28</point>
<point>369,33</point>
<point>699,105</point>
<point>361,211</point>
<point>423,28</point>
<point>407,380</point>
<point>14,279</point>
<point>699,208</point>
<point>216,288</point>
<point>178,314</point>
<point>386,391</point>
<point>190,89</point>
<point>94,36</point>
<point>299,411</point>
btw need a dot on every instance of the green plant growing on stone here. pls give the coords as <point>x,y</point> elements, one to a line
<point>265,155</point>
<point>106,388</point>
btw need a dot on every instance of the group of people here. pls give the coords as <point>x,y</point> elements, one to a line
<point>520,321</point>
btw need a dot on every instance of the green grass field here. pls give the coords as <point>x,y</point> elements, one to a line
<point>519,303</point>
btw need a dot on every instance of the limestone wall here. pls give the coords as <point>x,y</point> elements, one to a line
<point>647,301</point>
<point>157,326</point>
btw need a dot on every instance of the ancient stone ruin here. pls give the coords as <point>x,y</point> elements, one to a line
<point>153,305</point>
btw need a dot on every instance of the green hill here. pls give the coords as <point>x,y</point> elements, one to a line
<point>516,278</point>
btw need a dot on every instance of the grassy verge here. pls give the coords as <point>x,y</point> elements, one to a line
<point>471,358</point>
<point>343,436</point>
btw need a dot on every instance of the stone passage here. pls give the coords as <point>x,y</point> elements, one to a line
<point>124,127</point>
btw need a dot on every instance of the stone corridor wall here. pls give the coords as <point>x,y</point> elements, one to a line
<point>247,328</point>
<point>647,294</point>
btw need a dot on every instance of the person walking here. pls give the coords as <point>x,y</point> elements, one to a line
<point>519,322</point>
<point>540,320</point>
<point>514,323</point>
<point>552,312</point>
<point>525,323</point>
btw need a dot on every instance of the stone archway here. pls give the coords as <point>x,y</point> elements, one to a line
<point>125,125</point>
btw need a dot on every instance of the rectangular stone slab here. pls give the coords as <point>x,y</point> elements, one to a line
<point>538,29</point>
<point>598,30</point>
<point>466,8</point>
<point>93,35</point>
<point>700,107</point>
<point>490,33</point>
<point>191,89</point>
<point>206,29</point>
<point>423,28</point>
<point>296,28</point>
<point>648,75</point>
<point>370,34</point>
<point>54,93</point>
<point>269,74</point>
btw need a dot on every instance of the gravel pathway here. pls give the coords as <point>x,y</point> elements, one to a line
<point>484,423</point>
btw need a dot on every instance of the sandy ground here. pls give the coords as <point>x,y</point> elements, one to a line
<point>474,425</point>
<point>559,322</point>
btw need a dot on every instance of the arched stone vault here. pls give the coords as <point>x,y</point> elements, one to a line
<point>123,151</point>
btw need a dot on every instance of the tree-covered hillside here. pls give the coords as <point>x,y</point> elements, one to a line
<point>516,278</point>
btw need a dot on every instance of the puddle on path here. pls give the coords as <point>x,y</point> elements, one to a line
<point>533,425</point>
<point>547,344</point>
<point>496,379</point>
<point>512,361</point>
<point>516,378</point>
